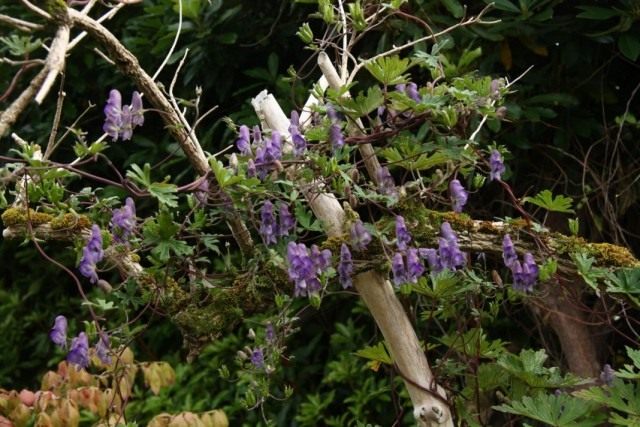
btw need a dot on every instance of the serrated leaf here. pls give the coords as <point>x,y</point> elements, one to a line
<point>376,353</point>
<point>556,410</point>
<point>389,70</point>
<point>546,200</point>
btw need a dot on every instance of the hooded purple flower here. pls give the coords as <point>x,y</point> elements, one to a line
<point>270,333</point>
<point>432,257</point>
<point>268,226</point>
<point>58,333</point>
<point>525,275</point>
<point>242,143</point>
<point>268,153</point>
<point>251,168</point>
<point>458,195</point>
<point>299,143</point>
<point>497,166</point>
<point>402,234</point>
<point>137,112</point>
<point>345,267</point>
<point>386,185</point>
<point>450,254</point>
<point>335,136</point>
<point>123,221</point>
<point>321,258</point>
<point>92,254</point>
<point>102,349</point>
<point>398,269</point>
<point>202,193</point>
<point>509,254</point>
<point>113,114</point>
<point>415,268</point>
<point>360,237</point>
<point>256,135</point>
<point>79,351</point>
<point>286,220</point>
<point>412,92</point>
<point>607,375</point>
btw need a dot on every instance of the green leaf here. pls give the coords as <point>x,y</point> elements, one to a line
<point>621,396</point>
<point>629,45</point>
<point>363,105</point>
<point>562,410</point>
<point>377,353</point>
<point>598,13</point>
<point>389,70</point>
<point>160,233</point>
<point>545,199</point>
<point>504,5</point>
<point>454,7</point>
<point>165,193</point>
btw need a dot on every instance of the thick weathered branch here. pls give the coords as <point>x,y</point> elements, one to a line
<point>55,60</point>
<point>11,114</point>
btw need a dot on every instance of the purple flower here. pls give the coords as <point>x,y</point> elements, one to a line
<point>79,351</point>
<point>332,114</point>
<point>202,193</point>
<point>102,349</point>
<point>268,226</point>
<point>299,143</point>
<point>113,114</point>
<point>302,270</point>
<point>497,166</point>
<point>58,333</point>
<point>287,221</point>
<point>450,254</point>
<point>458,195</point>
<point>123,221</point>
<point>509,254</point>
<point>92,254</point>
<point>398,269</point>
<point>360,237</point>
<point>401,87</point>
<point>242,143</point>
<point>607,375</point>
<point>270,333</point>
<point>432,257</point>
<point>402,234</point>
<point>257,358</point>
<point>345,267</point>
<point>120,120</point>
<point>321,259</point>
<point>256,135</point>
<point>335,136</point>
<point>525,275</point>
<point>412,92</point>
<point>137,112</point>
<point>268,153</point>
<point>415,268</point>
<point>386,185</point>
<point>251,168</point>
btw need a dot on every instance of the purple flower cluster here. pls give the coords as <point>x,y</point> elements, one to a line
<point>360,237</point>
<point>406,265</point>
<point>79,349</point>
<point>121,120</point>
<point>123,221</point>
<point>525,273</point>
<point>497,166</point>
<point>408,268</point>
<point>92,254</point>
<point>345,267</point>
<point>299,143</point>
<point>305,265</point>
<point>270,229</point>
<point>458,195</point>
<point>411,90</point>
<point>268,151</point>
<point>257,358</point>
<point>335,130</point>
<point>448,255</point>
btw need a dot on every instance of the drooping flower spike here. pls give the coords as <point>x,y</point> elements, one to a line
<point>458,195</point>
